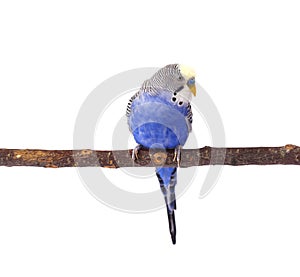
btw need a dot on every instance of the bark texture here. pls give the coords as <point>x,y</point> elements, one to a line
<point>287,155</point>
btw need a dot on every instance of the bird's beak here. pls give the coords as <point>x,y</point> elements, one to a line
<point>192,85</point>
<point>192,88</point>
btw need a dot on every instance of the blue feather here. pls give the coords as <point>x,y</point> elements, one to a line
<point>156,120</point>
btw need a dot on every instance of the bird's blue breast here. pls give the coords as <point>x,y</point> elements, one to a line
<point>155,120</point>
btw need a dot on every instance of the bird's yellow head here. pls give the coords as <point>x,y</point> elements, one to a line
<point>189,74</point>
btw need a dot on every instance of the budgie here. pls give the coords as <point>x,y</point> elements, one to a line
<point>160,116</point>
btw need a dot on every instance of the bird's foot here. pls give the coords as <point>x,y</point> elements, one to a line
<point>135,152</point>
<point>177,155</point>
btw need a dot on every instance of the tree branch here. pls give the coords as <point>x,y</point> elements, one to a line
<point>288,154</point>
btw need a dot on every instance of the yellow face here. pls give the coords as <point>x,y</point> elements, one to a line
<point>189,74</point>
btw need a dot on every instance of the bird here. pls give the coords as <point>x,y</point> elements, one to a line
<point>159,116</point>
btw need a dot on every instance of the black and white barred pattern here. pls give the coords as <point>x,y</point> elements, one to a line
<point>167,78</point>
<point>128,110</point>
<point>189,114</point>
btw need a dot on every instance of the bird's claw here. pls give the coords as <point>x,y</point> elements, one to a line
<point>177,155</point>
<point>135,152</point>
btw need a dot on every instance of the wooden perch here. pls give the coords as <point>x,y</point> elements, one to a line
<point>288,154</point>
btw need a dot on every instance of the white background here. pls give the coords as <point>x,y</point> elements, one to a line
<point>246,55</point>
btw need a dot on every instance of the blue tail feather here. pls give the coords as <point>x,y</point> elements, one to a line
<point>168,178</point>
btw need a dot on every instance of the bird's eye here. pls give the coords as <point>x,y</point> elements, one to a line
<point>180,103</point>
<point>180,78</point>
<point>173,99</point>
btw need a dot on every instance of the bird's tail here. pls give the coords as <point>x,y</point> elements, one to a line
<point>168,178</point>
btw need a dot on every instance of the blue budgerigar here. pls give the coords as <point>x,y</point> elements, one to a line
<point>160,117</point>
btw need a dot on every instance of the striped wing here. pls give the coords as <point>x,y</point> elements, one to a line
<point>189,117</point>
<point>128,110</point>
